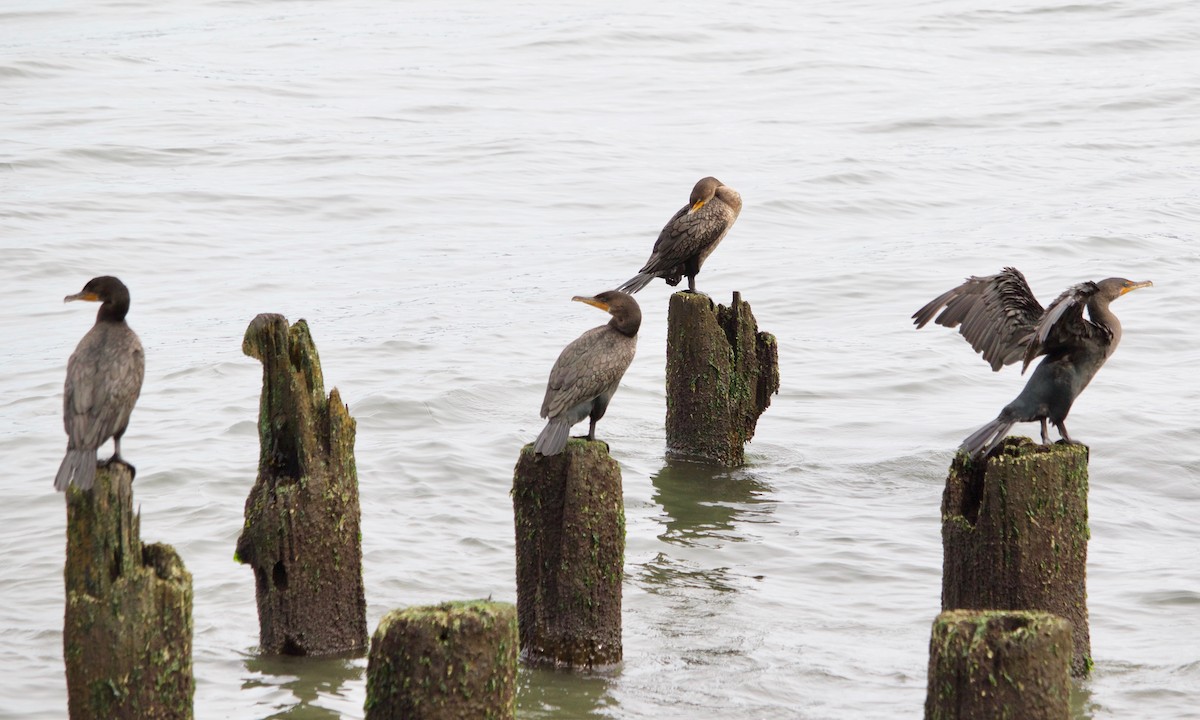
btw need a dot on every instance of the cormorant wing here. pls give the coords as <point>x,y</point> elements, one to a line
<point>104,379</point>
<point>686,235</point>
<point>583,370</point>
<point>995,313</point>
<point>1063,326</point>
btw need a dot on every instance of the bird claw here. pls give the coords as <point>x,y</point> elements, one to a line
<point>118,459</point>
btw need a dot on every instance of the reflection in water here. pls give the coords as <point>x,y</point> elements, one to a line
<point>704,508</point>
<point>1082,705</point>
<point>546,693</point>
<point>308,679</point>
<point>705,502</point>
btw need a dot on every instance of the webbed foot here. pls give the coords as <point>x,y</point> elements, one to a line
<point>116,458</point>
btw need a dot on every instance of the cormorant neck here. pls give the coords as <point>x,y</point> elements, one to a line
<point>1100,314</point>
<point>627,326</point>
<point>113,310</point>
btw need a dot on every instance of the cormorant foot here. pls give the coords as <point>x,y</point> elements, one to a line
<point>118,459</point>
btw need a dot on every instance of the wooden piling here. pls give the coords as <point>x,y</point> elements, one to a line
<point>1015,534</point>
<point>989,665</point>
<point>302,517</point>
<point>444,662</point>
<point>721,374</point>
<point>570,532</point>
<point>127,634</point>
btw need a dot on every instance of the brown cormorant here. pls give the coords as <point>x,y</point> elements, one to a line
<point>588,371</point>
<point>104,378</point>
<point>1004,322</point>
<point>690,236</point>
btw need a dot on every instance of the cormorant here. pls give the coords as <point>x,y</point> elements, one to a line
<point>1004,322</point>
<point>690,236</point>
<point>104,378</point>
<point>588,371</point>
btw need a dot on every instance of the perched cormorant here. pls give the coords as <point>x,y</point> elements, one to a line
<point>1004,322</point>
<point>588,371</point>
<point>104,377</point>
<point>690,236</point>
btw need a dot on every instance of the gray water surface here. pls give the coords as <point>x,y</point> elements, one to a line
<point>428,184</point>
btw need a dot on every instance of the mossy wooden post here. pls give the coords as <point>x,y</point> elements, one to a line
<point>570,527</point>
<point>1015,534</point>
<point>990,665</point>
<point>721,374</point>
<point>127,636</point>
<point>302,517</point>
<point>444,662</point>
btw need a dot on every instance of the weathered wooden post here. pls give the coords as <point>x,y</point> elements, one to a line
<point>127,635</point>
<point>570,528</point>
<point>721,373</point>
<point>986,665</point>
<point>1015,534</point>
<point>302,516</point>
<point>444,662</point>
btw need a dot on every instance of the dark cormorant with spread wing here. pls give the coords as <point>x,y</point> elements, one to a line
<point>588,371</point>
<point>104,378</point>
<point>690,236</point>
<point>1004,322</point>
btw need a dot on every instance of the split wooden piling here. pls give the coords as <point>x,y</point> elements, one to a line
<point>1015,534</point>
<point>570,533</point>
<point>127,635</point>
<point>302,517</point>
<point>988,665</point>
<point>444,662</point>
<point>721,374</point>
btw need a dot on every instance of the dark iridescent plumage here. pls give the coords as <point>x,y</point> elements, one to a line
<point>1004,322</point>
<point>690,236</point>
<point>104,378</point>
<point>588,371</point>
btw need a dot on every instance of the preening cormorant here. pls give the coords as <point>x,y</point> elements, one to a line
<point>690,236</point>
<point>104,378</point>
<point>1004,322</point>
<point>588,371</point>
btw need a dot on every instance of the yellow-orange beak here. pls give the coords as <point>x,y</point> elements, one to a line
<point>89,296</point>
<point>1134,286</point>
<point>699,204</point>
<point>591,301</point>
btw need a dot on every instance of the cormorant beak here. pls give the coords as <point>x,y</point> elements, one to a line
<point>89,296</point>
<point>1134,286</point>
<point>699,204</point>
<point>591,301</point>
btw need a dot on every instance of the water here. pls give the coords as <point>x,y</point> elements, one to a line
<point>429,183</point>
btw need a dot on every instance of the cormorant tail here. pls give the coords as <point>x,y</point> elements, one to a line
<point>553,437</point>
<point>79,467</point>
<point>637,282</point>
<point>981,442</point>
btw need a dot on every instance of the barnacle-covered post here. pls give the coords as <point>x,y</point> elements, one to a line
<point>444,662</point>
<point>721,374</point>
<point>1015,534</point>
<point>999,664</point>
<point>570,528</point>
<point>302,517</point>
<point>127,634</point>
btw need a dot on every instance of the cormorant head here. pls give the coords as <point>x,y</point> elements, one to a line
<point>703,192</point>
<point>1113,288</point>
<point>107,290</point>
<point>626,314</point>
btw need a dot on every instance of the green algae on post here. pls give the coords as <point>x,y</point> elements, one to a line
<point>994,664</point>
<point>301,533</point>
<point>570,541</point>
<point>721,374</point>
<point>444,662</point>
<point>127,635</point>
<point>1015,534</point>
